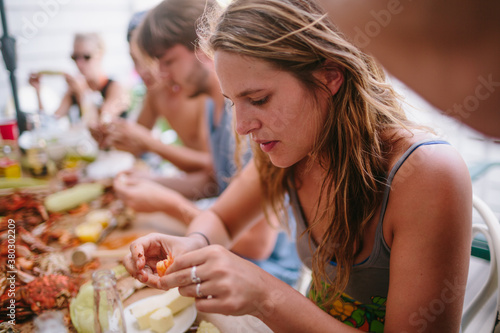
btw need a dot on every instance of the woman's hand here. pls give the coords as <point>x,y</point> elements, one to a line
<point>77,85</point>
<point>146,251</point>
<point>34,80</point>
<point>229,284</point>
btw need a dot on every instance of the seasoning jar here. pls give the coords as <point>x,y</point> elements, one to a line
<point>108,308</point>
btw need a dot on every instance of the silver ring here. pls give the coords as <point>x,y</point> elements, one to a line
<point>199,294</point>
<point>194,278</point>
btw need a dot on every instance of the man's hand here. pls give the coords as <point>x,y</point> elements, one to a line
<point>130,137</point>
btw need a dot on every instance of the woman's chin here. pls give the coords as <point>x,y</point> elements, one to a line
<point>281,162</point>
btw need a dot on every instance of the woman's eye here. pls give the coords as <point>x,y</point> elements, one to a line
<point>260,101</point>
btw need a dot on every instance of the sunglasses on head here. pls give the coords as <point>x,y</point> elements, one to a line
<point>85,57</point>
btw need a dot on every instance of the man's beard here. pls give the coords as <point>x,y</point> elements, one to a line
<point>199,80</point>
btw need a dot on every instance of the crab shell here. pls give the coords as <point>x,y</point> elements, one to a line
<point>50,292</point>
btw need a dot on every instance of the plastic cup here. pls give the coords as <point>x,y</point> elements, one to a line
<point>8,129</point>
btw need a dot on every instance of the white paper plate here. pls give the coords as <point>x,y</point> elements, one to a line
<point>109,164</point>
<point>182,320</point>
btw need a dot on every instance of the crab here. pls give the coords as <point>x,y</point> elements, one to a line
<point>53,263</point>
<point>50,292</point>
<point>27,208</point>
<point>6,327</point>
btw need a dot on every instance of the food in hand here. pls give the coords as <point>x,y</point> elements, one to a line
<point>162,265</point>
<point>50,72</point>
<point>161,320</point>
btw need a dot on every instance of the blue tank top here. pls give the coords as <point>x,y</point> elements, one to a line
<point>362,304</point>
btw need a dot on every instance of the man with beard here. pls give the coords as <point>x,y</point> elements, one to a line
<point>168,34</point>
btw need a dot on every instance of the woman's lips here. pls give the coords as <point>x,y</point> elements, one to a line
<point>267,146</point>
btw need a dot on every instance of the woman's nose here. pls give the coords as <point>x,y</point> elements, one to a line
<point>246,122</point>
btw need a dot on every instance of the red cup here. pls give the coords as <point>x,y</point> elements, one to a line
<point>8,129</point>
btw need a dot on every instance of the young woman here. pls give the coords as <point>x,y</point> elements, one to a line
<point>383,208</point>
<point>96,95</point>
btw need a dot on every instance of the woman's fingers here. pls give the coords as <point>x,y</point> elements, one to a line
<point>195,257</point>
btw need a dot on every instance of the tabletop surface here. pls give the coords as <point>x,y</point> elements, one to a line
<point>143,224</point>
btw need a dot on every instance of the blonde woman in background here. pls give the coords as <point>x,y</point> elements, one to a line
<point>383,208</point>
<point>96,95</point>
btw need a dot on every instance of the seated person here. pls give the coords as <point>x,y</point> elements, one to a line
<point>383,208</point>
<point>186,116</point>
<point>262,242</point>
<point>96,95</point>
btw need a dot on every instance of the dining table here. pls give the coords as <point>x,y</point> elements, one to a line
<point>140,225</point>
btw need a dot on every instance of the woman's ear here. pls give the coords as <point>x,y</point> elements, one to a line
<point>332,76</point>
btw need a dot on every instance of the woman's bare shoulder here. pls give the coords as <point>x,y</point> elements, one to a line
<point>432,190</point>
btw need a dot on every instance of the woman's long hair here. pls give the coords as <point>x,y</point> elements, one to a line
<point>297,37</point>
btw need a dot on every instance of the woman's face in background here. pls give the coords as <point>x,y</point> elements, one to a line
<point>87,57</point>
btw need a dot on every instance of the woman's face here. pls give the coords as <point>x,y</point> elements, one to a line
<point>146,68</point>
<point>87,57</point>
<point>270,105</point>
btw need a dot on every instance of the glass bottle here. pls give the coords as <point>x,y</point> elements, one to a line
<point>10,166</point>
<point>36,155</point>
<point>108,308</point>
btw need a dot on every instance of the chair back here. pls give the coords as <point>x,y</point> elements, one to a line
<point>491,231</point>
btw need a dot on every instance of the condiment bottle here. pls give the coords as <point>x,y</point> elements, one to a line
<point>108,308</point>
<point>10,166</point>
<point>36,155</point>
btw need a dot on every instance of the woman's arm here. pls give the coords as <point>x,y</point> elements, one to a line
<point>258,242</point>
<point>63,108</point>
<point>34,80</point>
<point>237,208</point>
<point>115,102</point>
<point>428,227</point>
